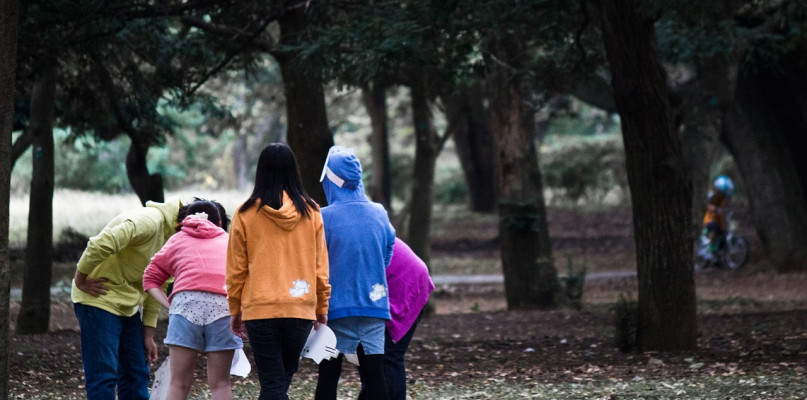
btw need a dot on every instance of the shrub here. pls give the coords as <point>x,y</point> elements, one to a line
<point>586,170</point>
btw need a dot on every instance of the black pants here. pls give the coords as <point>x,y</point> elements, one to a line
<point>276,346</point>
<point>371,371</point>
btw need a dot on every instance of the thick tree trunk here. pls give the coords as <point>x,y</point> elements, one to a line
<point>764,117</point>
<point>530,277</point>
<point>375,101</point>
<point>146,186</point>
<point>34,316</point>
<point>9,12</point>
<point>473,136</point>
<point>660,189</point>
<point>308,133</point>
<point>420,219</point>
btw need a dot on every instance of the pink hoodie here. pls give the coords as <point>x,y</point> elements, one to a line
<point>409,288</point>
<point>196,257</point>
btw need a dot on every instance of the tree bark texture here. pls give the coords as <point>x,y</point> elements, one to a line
<point>308,133</point>
<point>530,277</point>
<point>9,14</point>
<point>420,219</point>
<point>34,316</point>
<point>473,137</point>
<point>760,132</point>
<point>660,189</point>
<point>706,102</point>
<point>374,98</point>
<point>147,186</point>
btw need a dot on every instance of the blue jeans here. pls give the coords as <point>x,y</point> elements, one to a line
<point>113,354</point>
<point>276,346</point>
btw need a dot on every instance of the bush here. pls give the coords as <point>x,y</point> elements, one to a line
<point>586,170</point>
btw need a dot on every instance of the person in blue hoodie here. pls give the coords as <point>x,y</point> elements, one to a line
<point>360,239</point>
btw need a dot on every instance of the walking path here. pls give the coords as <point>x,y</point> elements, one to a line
<point>16,293</point>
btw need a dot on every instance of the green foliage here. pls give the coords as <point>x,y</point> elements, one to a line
<point>587,169</point>
<point>450,187</point>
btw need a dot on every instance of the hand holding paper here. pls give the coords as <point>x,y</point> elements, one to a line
<point>321,344</point>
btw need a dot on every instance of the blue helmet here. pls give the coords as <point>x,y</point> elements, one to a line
<point>724,184</point>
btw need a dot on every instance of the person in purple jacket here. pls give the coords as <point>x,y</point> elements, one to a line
<point>409,288</point>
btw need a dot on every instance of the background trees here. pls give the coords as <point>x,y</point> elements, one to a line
<point>495,76</point>
<point>9,11</point>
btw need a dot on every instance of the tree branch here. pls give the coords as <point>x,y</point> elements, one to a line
<point>22,143</point>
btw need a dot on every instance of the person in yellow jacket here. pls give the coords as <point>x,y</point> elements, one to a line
<point>277,270</point>
<point>107,293</point>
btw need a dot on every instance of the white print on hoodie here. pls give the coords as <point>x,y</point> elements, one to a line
<point>299,288</point>
<point>379,291</point>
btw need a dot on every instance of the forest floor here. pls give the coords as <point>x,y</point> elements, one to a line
<point>752,331</point>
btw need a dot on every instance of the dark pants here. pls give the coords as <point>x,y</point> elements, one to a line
<point>113,354</point>
<point>394,369</point>
<point>276,346</point>
<point>371,371</point>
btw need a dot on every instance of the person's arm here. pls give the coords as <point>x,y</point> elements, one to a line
<point>237,326</point>
<point>92,286</point>
<point>149,345</point>
<point>157,294</point>
<point>323,273</point>
<point>100,247</point>
<point>237,263</point>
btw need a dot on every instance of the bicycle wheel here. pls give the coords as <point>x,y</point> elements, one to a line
<point>737,252</point>
<point>701,261</point>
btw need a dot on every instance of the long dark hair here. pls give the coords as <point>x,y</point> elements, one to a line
<point>277,172</point>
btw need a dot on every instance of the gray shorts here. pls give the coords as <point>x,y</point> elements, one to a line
<point>215,336</point>
<point>352,331</point>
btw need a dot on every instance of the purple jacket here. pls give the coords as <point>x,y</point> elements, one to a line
<point>409,288</point>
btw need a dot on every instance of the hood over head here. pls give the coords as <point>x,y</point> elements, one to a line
<point>169,209</point>
<point>341,176</point>
<point>201,227</point>
<point>287,217</point>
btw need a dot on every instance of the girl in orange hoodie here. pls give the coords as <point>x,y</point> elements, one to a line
<point>277,270</point>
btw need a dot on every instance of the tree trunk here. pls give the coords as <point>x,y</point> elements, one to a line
<point>473,137</point>
<point>375,101</point>
<point>530,277</point>
<point>660,189</point>
<point>34,316</point>
<point>240,161</point>
<point>764,116</point>
<point>420,219</point>
<point>9,13</point>
<point>146,186</point>
<point>308,133</point>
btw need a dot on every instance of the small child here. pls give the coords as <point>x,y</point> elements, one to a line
<point>198,310</point>
<point>714,221</point>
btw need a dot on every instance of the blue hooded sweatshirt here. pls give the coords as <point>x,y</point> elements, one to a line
<point>360,239</point>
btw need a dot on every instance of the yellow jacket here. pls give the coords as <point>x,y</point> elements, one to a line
<point>277,264</point>
<point>121,253</point>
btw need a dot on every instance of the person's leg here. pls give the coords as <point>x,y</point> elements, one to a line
<point>100,339</point>
<point>133,369</point>
<point>182,362</point>
<point>328,379</point>
<point>218,374</point>
<point>266,339</point>
<point>295,334</point>
<point>371,371</point>
<point>220,345</point>
<point>394,368</point>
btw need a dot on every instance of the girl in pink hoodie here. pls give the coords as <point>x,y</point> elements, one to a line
<point>198,311</point>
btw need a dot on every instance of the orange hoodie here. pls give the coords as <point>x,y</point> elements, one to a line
<point>277,264</point>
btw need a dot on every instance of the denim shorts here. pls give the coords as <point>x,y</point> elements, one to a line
<point>215,336</point>
<point>352,331</point>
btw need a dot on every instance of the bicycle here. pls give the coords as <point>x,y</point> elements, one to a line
<point>731,253</point>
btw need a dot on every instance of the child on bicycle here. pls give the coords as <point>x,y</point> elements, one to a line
<point>715,221</point>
